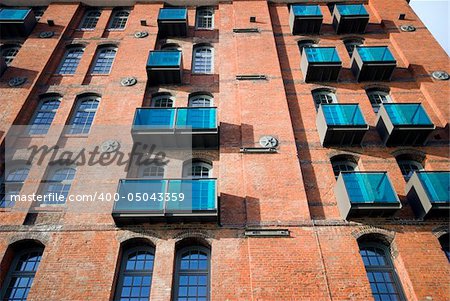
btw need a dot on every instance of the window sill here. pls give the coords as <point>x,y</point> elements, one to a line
<point>100,74</point>
<point>50,208</point>
<point>75,135</point>
<point>201,74</point>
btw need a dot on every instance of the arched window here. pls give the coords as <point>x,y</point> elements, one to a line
<point>71,60</point>
<point>192,274</point>
<point>197,169</point>
<point>58,184</point>
<point>323,96</point>
<point>408,165</point>
<point>162,101</point>
<point>84,115</point>
<point>343,163</point>
<point>39,12</point>
<point>135,276</point>
<point>350,45</point>
<point>201,100</point>
<point>104,60</point>
<point>44,115</point>
<point>9,52</point>
<point>90,19</point>
<point>305,43</point>
<point>203,60</point>
<point>119,19</point>
<point>205,18</point>
<point>378,97</point>
<point>444,240</point>
<point>380,272</point>
<point>13,183</point>
<point>21,274</point>
<point>152,171</point>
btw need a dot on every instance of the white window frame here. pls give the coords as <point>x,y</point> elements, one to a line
<point>10,47</point>
<point>97,55</point>
<point>193,98</point>
<point>194,61</point>
<point>142,170</point>
<point>323,92</point>
<point>343,162</point>
<point>49,181</point>
<point>114,17</point>
<point>39,109</point>
<point>187,169</point>
<point>164,97</point>
<point>86,16</point>
<point>409,162</point>
<point>376,93</point>
<point>199,19</point>
<point>78,104</point>
<point>66,54</point>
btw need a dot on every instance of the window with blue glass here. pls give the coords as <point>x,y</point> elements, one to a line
<point>375,54</point>
<point>84,114</point>
<point>71,60</point>
<point>12,184</point>
<point>380,271</point>
<point>135,276</point>
<point>21,274</point>
<point>321,54</point>
<point>104,60</point>
<point>407,114</point>
<point>58,185</point>
<point>44,115</point>
<point>119,19</point>
<point>343,115</point>
<point>192,275</point>
<point>90,20</point>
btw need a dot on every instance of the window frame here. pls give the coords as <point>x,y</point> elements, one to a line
<point>79,102</point>
<point>42,101</point>
<point>86,16</point>
<point>120,18</point>
<point>18,184</point>
<point>122,268</point>
<point>99,52</point>
<point>340,162</point>
<point>142,169</point>
<point>389,267</point>
<point>13,273</point>
<point>66,54</point>
<point>10,47</point>
<point>195,63</point>
<point>355,42</point>
<point>301,44</point>
<point>379,93</point>
<point>51,173</point>
<point>326,92</point>
<point>202,18</point>
<point>410,162</point>
<point>187,169</point>
<point>162,97</point>
<point>198,97</point>
<point>178,271</point>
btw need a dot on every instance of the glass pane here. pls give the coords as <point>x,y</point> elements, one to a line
<point>306,10</point>
<point>172,14</point>
<point>352,9</point>
<point>166,58</point>
<point>407,114</point>
<point>375,54</point>
<point>369,188</point>
<point>343,114</point>
<point>437,185</point>
<point>322,54</point>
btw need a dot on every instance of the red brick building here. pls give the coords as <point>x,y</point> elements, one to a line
<point>309,138</point>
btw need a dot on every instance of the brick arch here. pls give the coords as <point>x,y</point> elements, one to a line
<point>205,236</point>
<point>147,235</point>
<point>440,230</point>
<point>366,232</point>
<point>37,237</point>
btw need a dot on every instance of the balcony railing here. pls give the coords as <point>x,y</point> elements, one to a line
<point>373,63</point>
<point>365,194</point>
<point>305,19</point>
<point>320,64</point>
<point>15,22</point>
<point>164,67</point>
<point>173,22</point>
<point>178,127</point>
<point>156,200</point>
<point>404,124</point>
<point>350,18</point>
<point>340,124</point>
<point>428,193</point>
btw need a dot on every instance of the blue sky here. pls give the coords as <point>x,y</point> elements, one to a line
<point>435,14</point>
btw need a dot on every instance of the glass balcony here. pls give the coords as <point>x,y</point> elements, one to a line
<point>428,193</point>
<point>340,124</point>
<point>173,22</point>
<point>350,18</point>
<point>177,127</point>
<point>320,64</point>
<point>164,67</point>
<point>373,63</point>
<point>159,200</point>
<point>365,194</point>
<point>305,19</point>
<point>403,124</point>
<point>16,22</point>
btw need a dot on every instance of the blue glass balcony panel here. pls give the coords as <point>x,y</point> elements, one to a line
<point>130,190</point>
<point>322,55</point>
<point>306,10</point>
<point>369,188</point>
<point>343,114</point>
<point>375,54</point>
<point>13,14</point>
<point>196,118</point>
<point>199,195</point>
<point>436,185</point>
<point>352,10</point>
<point>407,114</point>
<point>172,14</point>
<point>154,118</point>
<point>169,58</point>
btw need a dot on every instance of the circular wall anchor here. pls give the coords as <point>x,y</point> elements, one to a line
<point>440,75</point>
<point>17,81</point>
<point>110,146</point>
<point>128,81</point>
<point>46,34</point>
<point>268,141</point>
<point>407,28</point>
<point>140,34</point>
